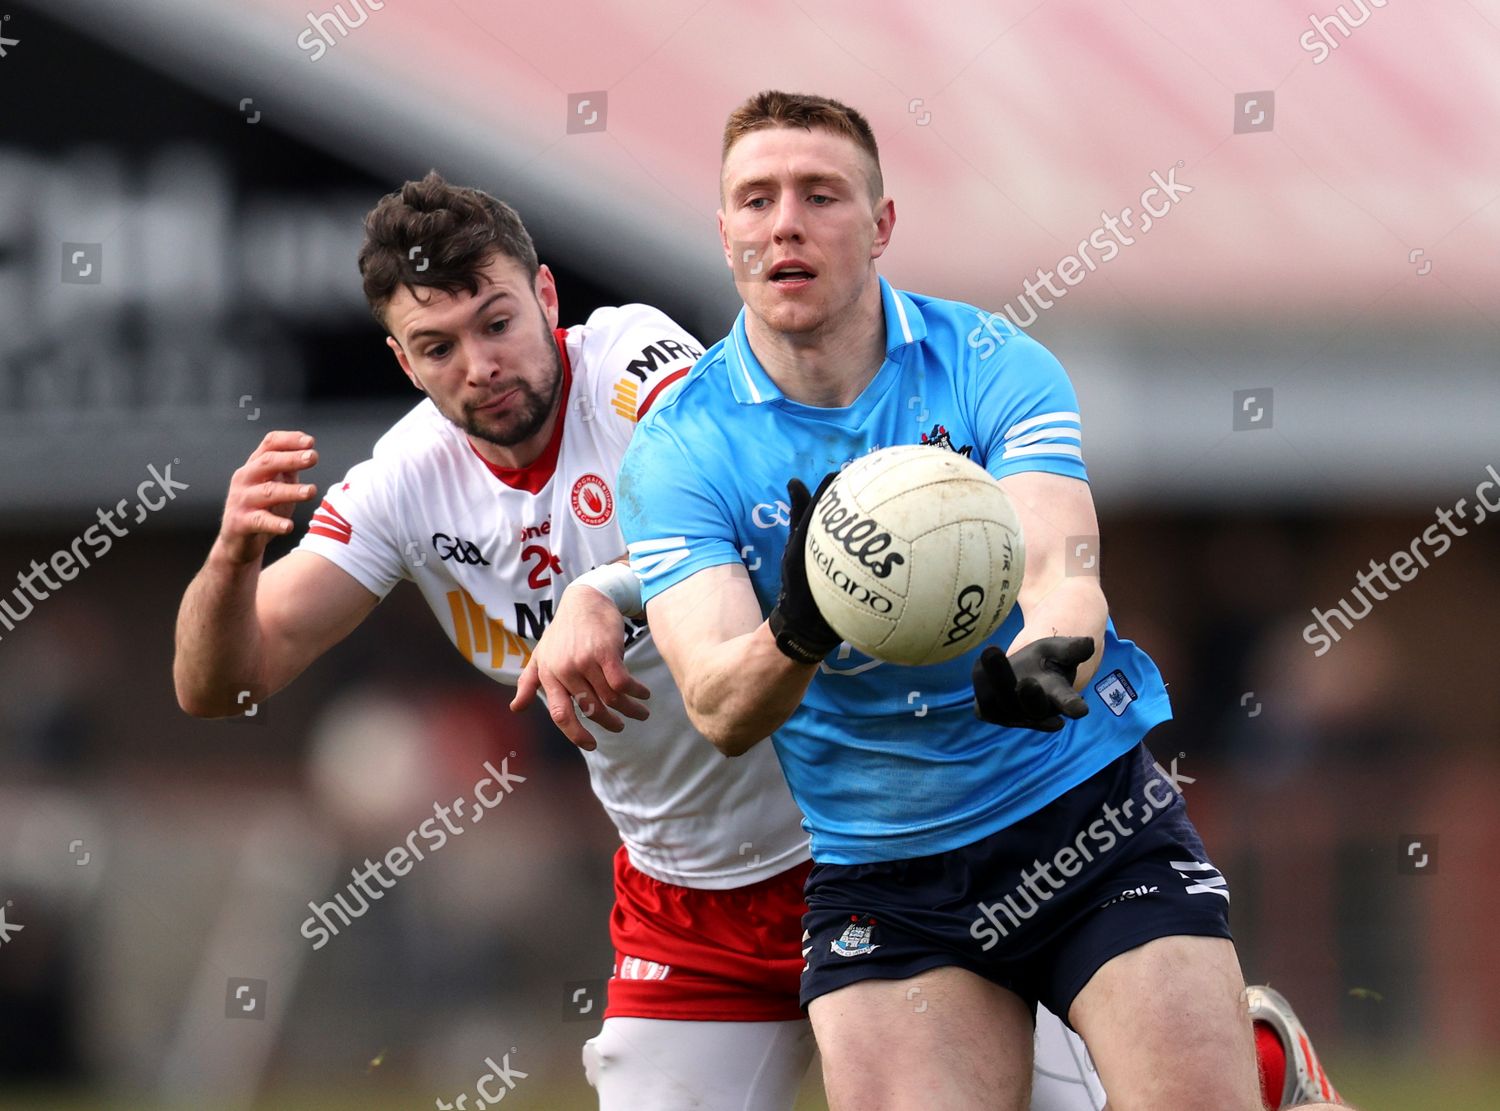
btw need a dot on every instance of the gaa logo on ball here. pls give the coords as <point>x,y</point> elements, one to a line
<point>914,555</point>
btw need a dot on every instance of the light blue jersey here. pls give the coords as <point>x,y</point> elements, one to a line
<point>886,762</point>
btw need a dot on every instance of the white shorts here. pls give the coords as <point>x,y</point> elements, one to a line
<point>1063,1076</point>
<point>671,1065</point>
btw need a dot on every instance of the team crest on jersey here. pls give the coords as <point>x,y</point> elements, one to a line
<point>857,938</point>
<point>593,504</point>
<point>1116,692</point>
<point>940,437</point>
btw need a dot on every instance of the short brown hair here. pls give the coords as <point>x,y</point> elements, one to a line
<point>772,108</point>
<point>450,231</point>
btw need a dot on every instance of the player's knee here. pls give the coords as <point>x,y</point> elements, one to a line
<point>628,1076</point>
<point>609,1054</point>
<point>591,1063</point>
<point>600,1055</point>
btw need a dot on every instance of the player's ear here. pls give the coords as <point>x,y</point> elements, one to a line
<point>724,241</point>
<point>885,223</point>
<point>390,341</point>
<point>546,294</point>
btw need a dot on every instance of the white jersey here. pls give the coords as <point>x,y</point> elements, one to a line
<point>492,550</point>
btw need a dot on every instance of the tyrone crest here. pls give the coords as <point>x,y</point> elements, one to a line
<point>856,940</point>
<point>593,504</point>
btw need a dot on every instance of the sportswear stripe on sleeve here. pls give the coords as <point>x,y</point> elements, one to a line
<point>1045,434</point>
<point>649,558</point>
<point>328,521</point>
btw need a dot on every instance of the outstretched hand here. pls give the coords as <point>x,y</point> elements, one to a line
<point>579,664</point>
<point>263,493</point>
<point>800,629</point>
<point>1032,689</point>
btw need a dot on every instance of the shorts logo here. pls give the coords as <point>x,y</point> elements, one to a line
<point>1134,893</point>
<point>593,504</point>
<point>1116,692</point>
<point>1201,878</point>
<point>856,939</point>
<point>638,968</point>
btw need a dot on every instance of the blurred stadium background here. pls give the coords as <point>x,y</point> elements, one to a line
<point>182,184</point>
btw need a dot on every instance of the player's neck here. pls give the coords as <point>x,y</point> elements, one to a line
<point>520,455</point>
<point>831,366</point>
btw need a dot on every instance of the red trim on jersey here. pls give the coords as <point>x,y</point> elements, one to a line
<point>538,472</point>
<point>328,521</point>
<point>663,384</point>
<point>338,519</point>
<point>706,956</point>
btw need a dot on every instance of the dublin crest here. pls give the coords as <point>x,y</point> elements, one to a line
<point>855,941</point>
<point>940,437</point>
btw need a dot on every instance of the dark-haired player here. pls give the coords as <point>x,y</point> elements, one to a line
<point>496,496</point>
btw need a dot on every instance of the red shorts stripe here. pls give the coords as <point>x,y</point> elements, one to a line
<point>706,956</point>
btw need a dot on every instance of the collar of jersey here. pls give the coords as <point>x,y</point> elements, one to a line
<point>538,472</point>
<point>750,383</point>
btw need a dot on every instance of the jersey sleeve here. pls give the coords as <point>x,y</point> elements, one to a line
<point>1026,411</point>
<point>645,354</point>
<point>354,528</point>
<point>674,524</point>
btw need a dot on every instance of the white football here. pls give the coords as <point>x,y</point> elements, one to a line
<point>914,554</point>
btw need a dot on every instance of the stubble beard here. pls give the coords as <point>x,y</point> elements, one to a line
<point>533,407</point>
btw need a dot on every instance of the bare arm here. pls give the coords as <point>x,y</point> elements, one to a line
<point>1056,511</point>
<point>737,685</point>
<point>242,629</point>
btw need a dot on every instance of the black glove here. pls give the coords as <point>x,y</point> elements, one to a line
<point>1034,688</point>
<point>799,627</point>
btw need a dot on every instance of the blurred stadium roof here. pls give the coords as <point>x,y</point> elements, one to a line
<point>1341,248</point>
<point>1007,129</point>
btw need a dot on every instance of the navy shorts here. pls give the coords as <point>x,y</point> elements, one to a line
<point>1037,907</point>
